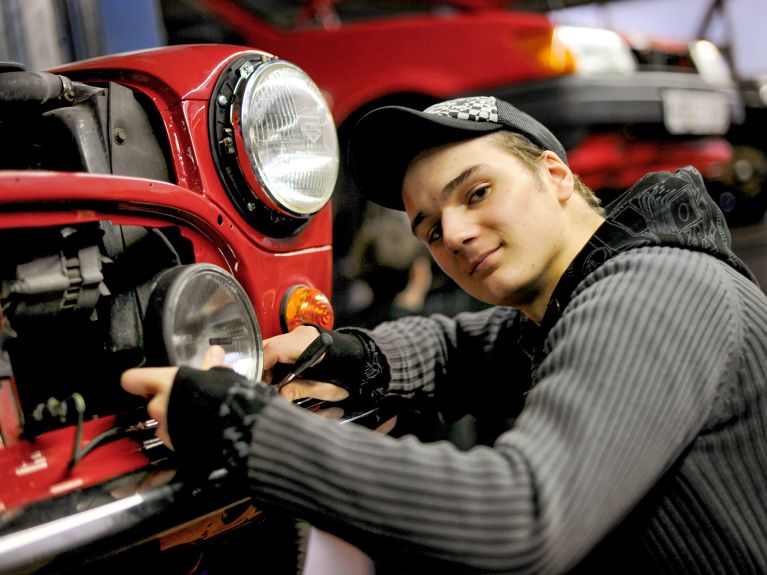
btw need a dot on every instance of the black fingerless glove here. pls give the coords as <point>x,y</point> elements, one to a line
<point>355,363</point>
<point>210,416</point>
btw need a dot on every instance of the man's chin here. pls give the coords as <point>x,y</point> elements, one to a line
<point>518,297</point>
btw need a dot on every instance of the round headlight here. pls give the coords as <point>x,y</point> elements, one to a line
<point>196,306</point>
<point>288,138</point>
<point>597,50</point>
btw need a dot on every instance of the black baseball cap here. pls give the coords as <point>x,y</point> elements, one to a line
<point>385,140</point>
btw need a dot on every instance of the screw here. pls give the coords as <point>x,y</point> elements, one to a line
<point>227,146</point>
<point>120,135</point>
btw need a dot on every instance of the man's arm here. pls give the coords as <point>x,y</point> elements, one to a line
<point>633,366</point>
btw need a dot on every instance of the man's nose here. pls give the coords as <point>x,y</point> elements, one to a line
<point>457,230</point>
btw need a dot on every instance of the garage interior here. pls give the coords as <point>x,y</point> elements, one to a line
<point>38,35</point>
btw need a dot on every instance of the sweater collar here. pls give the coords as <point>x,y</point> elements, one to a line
<point>661,209</point>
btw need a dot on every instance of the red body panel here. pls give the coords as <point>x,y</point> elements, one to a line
<point>611,161</point>
<point>32,471</point>
<point>169,74</point>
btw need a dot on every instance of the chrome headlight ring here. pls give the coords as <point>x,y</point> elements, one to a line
<point>274,143</point>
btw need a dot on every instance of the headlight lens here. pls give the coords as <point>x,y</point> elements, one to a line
<point>195,306</point>
<point>710,63</point>
<point>289,138</point>
<point>597,51</point>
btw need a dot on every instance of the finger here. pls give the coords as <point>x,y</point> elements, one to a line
<point>214,356</point>
<point>162,434</point>
<point>287,347</point>
<point>301,388</point>
<point>147,381</point>
<point>157,409</point>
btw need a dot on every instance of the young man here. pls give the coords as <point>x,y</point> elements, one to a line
<point>629,346</point>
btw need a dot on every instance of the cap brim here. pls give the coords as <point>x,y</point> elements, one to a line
<point>386,140</point>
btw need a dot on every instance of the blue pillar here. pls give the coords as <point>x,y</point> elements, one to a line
<point>131,25</point>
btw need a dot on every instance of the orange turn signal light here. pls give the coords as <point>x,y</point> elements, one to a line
<point>304,304</point>
<point>547,50</point>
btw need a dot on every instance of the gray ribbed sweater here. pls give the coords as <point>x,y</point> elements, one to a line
<point>650,416</point>
<point>641,447</point>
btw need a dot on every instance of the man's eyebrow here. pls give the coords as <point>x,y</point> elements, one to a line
<point>416,222</point>
<point>459,179</point>
<point>446,191</point>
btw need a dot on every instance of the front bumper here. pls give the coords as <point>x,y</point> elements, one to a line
<point>135,517</point>
<point>677,104</point>
<point>46,535</point>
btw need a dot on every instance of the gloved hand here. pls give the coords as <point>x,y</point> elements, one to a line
<point>353,363</point>
<point>196,408</point>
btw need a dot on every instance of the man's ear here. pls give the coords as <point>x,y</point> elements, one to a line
<point>559,174</point>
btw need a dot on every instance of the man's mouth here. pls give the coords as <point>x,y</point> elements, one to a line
<point>476,263</point>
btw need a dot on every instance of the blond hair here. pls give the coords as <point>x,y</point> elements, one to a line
<point>530,154</point>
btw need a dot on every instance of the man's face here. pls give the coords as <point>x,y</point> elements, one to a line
<point>491,223</point>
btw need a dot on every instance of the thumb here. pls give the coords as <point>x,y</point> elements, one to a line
<point>147,381</point>
<point>301,388</point>
<point>214,356</point>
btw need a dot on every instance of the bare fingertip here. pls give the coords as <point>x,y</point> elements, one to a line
<point>215,355</point>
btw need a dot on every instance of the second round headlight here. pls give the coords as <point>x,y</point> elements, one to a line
<point>195,306</point>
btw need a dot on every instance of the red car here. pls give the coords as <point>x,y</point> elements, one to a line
<point>148,209</point>
<point>618,117</point>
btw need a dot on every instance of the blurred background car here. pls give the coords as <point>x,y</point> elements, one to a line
<point>668,35</point>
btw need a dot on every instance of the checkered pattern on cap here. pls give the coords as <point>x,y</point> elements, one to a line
<point>477,109</point>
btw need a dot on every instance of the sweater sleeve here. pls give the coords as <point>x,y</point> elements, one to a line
<point>435,356</point>
<point>633,365</point>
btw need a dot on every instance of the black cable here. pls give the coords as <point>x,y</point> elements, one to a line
<point>93,444</point>
<point>79,404</point>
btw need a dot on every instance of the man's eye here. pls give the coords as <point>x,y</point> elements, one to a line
<point>478,194</point>
<point>434,234</point>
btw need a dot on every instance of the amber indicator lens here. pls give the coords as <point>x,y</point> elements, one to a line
<point>304,304</point>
